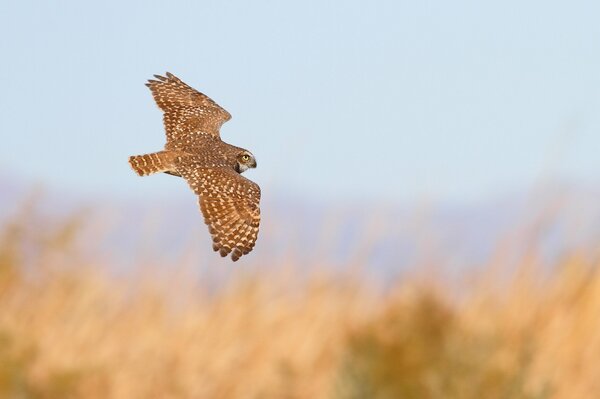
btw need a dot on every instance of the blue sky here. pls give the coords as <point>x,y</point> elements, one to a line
<point>388,100</point>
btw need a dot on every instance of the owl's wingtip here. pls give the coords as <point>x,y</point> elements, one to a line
<point>236,254</point>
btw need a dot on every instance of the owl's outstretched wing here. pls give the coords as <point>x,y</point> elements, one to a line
<point>230,205</point>
<point>188,114</point>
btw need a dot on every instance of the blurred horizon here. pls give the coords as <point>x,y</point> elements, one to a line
<point>387,237</point>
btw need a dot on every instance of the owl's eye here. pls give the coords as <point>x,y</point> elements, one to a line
<point>245,157</point>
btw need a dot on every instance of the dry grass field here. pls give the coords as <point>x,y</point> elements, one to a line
<point>69,328</point>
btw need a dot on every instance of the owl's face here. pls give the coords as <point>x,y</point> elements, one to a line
<point>245,161</point>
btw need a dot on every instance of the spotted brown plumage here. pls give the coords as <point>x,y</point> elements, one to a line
<point>187,112</point>
<point>194,151</point>
<point>229,203</point>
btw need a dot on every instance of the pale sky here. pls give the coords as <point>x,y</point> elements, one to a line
<point>388,100</point>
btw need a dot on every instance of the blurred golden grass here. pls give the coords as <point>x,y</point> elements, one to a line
<point>71,329</point>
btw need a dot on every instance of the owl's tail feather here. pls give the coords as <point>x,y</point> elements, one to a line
<point>148,164</point>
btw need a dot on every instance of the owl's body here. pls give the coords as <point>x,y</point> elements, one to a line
<point>212,168</point>
<point>209,153</point>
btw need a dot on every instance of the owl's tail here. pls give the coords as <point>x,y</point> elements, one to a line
<point>157,162</point>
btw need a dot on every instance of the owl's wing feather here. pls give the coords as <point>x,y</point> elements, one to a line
<point>188,114</point>
<point>230,205</point>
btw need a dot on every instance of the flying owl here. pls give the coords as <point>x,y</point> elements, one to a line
<point>212,168</point>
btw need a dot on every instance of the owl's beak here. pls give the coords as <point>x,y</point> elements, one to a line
<point>253,164</point>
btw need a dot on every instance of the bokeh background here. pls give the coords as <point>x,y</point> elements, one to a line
<point>430,181</point>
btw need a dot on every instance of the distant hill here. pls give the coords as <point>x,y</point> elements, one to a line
<point>384,235</point>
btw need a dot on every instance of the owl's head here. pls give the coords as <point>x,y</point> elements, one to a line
<point>245,161</point>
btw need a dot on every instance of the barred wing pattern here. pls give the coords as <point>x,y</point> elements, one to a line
<point>187,112</point>
<point>229,203</point>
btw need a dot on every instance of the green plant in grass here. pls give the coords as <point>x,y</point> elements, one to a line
<point>420,350</point>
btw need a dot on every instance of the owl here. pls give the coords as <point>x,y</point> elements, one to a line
<point>212,168</point>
